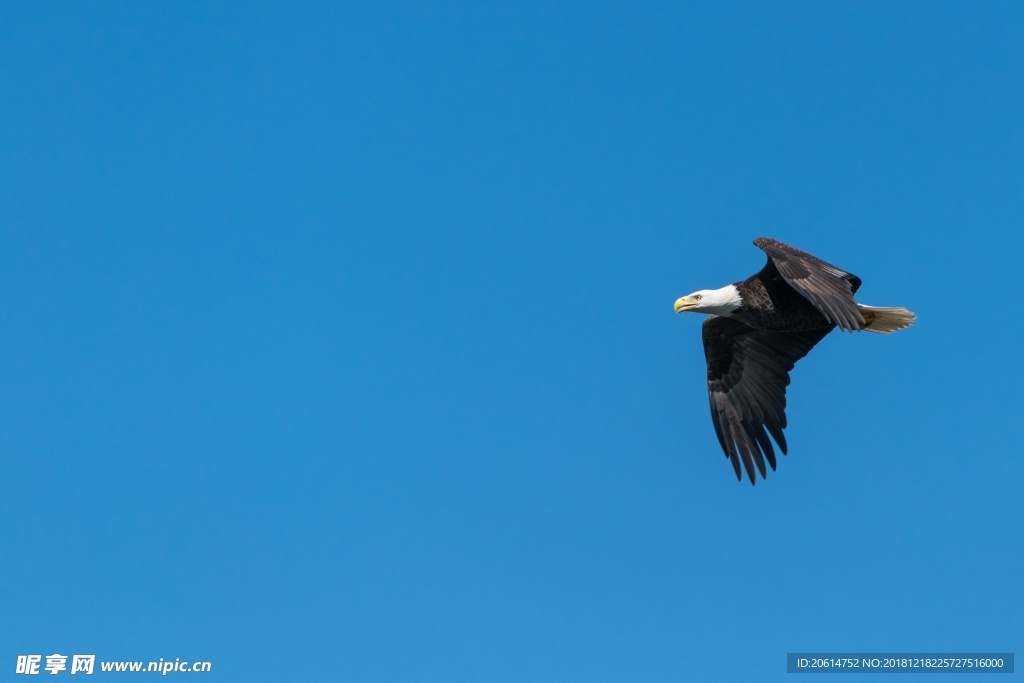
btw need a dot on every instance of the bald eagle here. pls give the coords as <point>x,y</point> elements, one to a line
<point>759,328</point>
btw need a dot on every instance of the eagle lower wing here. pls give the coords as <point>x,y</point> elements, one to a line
<point>828,288</point>
<point>748,372</point>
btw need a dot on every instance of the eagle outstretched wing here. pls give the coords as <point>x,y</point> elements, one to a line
<point>828,288</point>
<point>748,372</point>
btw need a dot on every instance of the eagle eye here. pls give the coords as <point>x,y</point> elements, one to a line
<point>696,297</point>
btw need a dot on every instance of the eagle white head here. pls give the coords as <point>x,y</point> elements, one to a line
<point>714,301</point>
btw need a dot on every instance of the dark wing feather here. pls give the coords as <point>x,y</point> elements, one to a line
<point>748,372</point>
<point>828,288</point>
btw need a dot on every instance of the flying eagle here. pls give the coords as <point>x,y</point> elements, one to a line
<point>759,328</point>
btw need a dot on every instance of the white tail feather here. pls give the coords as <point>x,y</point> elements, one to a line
<point>886,320</point>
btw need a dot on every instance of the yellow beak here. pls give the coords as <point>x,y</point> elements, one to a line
<point>684,303</point>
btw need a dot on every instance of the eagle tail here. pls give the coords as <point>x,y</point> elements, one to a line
<point>885,320</point>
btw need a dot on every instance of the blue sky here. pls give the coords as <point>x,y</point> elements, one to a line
<point>338,338</point>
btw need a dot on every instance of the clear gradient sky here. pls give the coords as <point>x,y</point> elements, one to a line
<point>338,339</point>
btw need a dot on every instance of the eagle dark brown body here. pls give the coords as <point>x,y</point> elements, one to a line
<point>771,304</point>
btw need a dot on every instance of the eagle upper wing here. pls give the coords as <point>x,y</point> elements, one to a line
<point>748,372</point>
<point>828,288</point>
